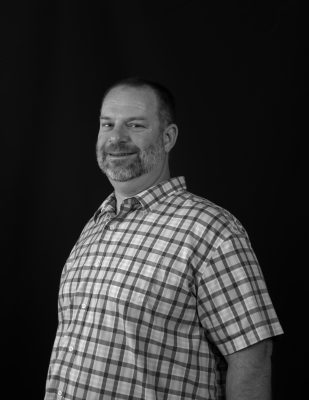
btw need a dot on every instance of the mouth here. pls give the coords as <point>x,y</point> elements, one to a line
<point>119,155</point>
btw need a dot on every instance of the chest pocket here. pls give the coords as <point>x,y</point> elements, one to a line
<point>161,289</point>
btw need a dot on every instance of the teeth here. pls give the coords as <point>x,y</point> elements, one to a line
<point>121,154</point>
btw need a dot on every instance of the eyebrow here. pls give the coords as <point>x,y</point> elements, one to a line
<point>127,120</point>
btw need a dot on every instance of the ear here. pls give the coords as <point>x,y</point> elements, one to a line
<point>170,134</point>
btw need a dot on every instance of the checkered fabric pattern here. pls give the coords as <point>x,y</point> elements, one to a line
<point>153,297</point>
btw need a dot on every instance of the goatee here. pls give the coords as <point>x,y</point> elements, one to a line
<point>137,162</point>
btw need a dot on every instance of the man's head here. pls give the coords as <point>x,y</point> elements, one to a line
<point>137,130</point>
<point>166,102</point>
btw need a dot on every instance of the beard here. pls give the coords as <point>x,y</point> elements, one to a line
<point>122,170</point>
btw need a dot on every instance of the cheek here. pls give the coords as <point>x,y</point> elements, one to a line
<point>101,139</point>
<point>142,141</point>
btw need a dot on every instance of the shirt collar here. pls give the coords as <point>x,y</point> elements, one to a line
<point>108,206</point>
<point>147,198</point>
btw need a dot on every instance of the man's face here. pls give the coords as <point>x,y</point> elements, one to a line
<point>130,141</point>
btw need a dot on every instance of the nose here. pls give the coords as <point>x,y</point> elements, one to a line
<point>118,134</point>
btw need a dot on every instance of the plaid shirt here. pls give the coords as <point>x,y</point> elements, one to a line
<point>152,298</point>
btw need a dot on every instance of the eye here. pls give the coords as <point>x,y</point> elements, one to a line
<point>136,125</point>
<point>106,125</point>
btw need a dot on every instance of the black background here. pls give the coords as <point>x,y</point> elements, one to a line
<point>239,73</point>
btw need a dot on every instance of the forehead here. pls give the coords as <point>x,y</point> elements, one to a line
<point>129,101</point>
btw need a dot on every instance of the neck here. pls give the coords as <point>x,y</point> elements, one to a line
<point>124,190</point>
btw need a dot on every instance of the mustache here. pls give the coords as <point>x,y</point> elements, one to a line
<point>119,148</point>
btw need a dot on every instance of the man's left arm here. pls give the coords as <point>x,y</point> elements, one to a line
<point>249,373</point>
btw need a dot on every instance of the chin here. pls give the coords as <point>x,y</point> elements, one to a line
<point>122,176</point>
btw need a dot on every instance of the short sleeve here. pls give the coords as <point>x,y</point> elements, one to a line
<point>234,305</point>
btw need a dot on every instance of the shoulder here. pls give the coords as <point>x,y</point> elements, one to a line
<point>205,216</point>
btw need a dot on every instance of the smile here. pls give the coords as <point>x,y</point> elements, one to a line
<point>117,155</point>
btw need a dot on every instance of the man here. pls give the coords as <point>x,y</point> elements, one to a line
<point>162,296</point>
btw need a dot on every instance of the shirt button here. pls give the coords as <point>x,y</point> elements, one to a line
<point>84,305</point>
<point>71,348</point>
<point>59,393</point>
